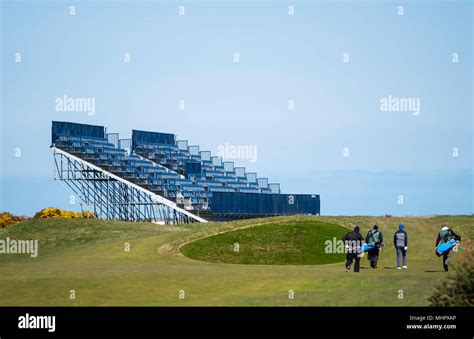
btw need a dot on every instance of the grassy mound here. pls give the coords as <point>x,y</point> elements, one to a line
<point>287,243</point>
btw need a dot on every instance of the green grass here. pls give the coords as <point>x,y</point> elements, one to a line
<point>88,256</point>
<point>285,243</point>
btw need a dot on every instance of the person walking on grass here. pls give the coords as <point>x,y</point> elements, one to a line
<point>445,235</point>
<point>400,240</point>
<point>376,237</point>
<point>353,242</point>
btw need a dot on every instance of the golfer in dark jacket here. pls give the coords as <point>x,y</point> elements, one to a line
<point>353,242</point>
<point>444,236</point>
<point>376,237</point>
<point>400,240</point>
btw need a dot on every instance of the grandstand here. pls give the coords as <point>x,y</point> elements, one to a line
<point>155,177</point>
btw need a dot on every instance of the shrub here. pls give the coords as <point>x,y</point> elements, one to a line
<point>7,218</point>
<point>52,212</point>
<point>88,215</point>
<point>458,288</point>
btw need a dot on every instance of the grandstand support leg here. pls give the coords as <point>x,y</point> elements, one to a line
<point>111,197</point>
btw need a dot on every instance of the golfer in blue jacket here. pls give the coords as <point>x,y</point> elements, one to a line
<point>400,240</point>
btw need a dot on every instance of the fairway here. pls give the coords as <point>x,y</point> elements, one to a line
<point>89,257</point>
<point>284,243</point>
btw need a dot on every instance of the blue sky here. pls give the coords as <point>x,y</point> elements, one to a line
<point>282,57</point>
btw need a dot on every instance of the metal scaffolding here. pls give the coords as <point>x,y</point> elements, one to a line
<point>110,197</point>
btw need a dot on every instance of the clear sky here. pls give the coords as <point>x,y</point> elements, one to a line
<point>282,57</point>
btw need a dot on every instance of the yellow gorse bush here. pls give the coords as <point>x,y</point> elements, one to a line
<point>7,218</point>
<point>52,212</point>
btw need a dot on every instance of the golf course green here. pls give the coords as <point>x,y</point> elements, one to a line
<point>279,243</point>
<point>280,262</point>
